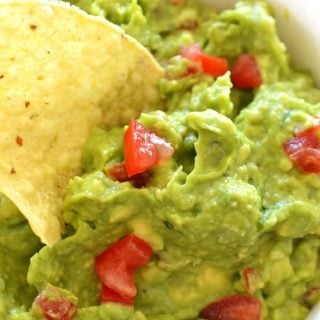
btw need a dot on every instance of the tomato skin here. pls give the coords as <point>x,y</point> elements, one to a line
<point>139,153</point>
<point>245,73</point>
<point>55,309</point>
<point>115,275</point>
<point>143,149</point>
<point>193,54</point>
<point>308,159</point>
<point>115,266</point>
<point>118,172</point>
<point>109,295</point>
<point>141,180</point>
<point>213,66</point>
<point>304,150</point>
<point>235,307</point>
<point>313,131</point>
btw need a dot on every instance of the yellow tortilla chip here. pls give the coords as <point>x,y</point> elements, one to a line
<point>61,73</point>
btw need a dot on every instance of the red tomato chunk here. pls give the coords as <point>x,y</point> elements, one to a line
<point>313,131</point>
<point>118,172</point>
<point>58,309</point>
<point>245,73</point>
<point>109,295</point>
<point>213,66</point>
<point>115,268</point>
<point>235,307</point>
<point>143,149</point>
<point>304,150</point>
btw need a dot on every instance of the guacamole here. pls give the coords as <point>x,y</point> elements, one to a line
<point>228,214</point>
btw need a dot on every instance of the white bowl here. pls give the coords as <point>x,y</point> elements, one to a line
<point>299,27</point>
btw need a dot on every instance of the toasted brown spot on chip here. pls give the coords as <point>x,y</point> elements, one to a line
<point>19,141</point>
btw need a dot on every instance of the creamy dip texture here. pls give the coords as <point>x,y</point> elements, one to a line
<point>228,214</point>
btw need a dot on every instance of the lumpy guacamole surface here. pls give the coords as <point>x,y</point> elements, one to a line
<point>229,199</point>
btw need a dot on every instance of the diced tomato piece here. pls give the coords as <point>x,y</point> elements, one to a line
<point>297,144</point>
<point>313,131</point>
<point>114,274</point>
<point>164,149</point>
<point>59,308</point>
<point>304,150</point>
<point>245,73</point>
<point>233,308</point>
<point>143,149</point>
<point>307,159</point>
<point>115,266</point>
<point>192,52</point>
<point>134,251</point>
<point>141,180</point>
<point>139,153</point>
<point>213,66</point>
<point>109,295</point>
<point>118,172</point>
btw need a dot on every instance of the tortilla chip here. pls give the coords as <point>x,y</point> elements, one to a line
<point>61,73</point>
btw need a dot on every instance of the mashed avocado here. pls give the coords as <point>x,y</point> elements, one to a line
<point>228,201</point>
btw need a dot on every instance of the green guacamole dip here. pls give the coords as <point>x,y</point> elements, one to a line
<point>229,199</point>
